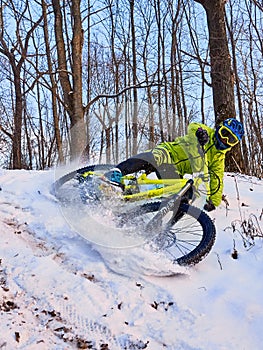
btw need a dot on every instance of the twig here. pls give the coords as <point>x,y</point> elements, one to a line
<point>226,203</point>
<point>235,253</point>
<point>236,164</point>
<point>238,199</point>
<point>219,262</point>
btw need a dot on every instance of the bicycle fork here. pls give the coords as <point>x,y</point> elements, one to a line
<point>170,204</point>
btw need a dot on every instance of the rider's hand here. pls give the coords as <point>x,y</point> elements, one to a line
<point>202,136</point>
<point>209,206</point>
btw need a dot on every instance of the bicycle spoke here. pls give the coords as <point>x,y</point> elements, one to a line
<point>183,236</point>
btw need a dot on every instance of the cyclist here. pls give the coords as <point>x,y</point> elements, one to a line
<point>185,156</point>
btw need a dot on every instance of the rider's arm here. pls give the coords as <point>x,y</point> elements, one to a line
<point>216,164</point>
<point>216,170</point>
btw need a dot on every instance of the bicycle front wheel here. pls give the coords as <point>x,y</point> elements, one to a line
<point>187,236</point>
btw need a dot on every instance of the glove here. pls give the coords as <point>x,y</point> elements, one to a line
<point>209,206</point>
<point>202,136</point>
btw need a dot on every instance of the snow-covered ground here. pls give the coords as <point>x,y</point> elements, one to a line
<point>57,292</point>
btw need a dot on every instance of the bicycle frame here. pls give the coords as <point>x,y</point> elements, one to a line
<point>164,187</point>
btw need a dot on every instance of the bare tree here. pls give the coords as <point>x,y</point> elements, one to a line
<point>221,72</point>
<point>134,80</point>
<point>220,60</point>
<point>70,75</point>
<point>15,51</point>
<point>53,88</point>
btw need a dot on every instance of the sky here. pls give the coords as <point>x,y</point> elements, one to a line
<point>60,291</point>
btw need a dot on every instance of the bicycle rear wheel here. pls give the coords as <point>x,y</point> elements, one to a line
<point>73,175</point>
<point>73,186</point>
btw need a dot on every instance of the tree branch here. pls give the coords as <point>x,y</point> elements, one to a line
<point>127,88</point>
<point>6,132</point>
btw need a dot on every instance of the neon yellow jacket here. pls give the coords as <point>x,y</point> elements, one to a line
<point>186,154</point>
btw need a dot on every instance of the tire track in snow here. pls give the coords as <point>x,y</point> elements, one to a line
<point>71,316</point>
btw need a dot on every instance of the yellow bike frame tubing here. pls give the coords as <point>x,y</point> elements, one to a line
<point>169,186</point>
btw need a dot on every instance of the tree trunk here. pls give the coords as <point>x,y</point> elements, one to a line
<point>221,71</point>
<point>72,94</point>
<point>18,116</point>
<point>53,86</point>
<point>78,135</point>
<point>134,79</point>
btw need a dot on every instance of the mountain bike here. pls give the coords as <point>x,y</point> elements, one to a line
<point>162,208</point>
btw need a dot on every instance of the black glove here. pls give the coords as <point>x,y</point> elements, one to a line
<point>202,136</point>
<point>209,206</point>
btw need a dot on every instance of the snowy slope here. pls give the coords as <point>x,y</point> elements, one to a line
<point>57,292</point>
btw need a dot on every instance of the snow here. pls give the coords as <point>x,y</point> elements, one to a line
<point>58,290</point>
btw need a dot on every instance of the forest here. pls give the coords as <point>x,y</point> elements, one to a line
<point>101,80</point>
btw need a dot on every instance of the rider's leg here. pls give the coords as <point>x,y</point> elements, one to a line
<point>142,161</point>
<point>147,161</point>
